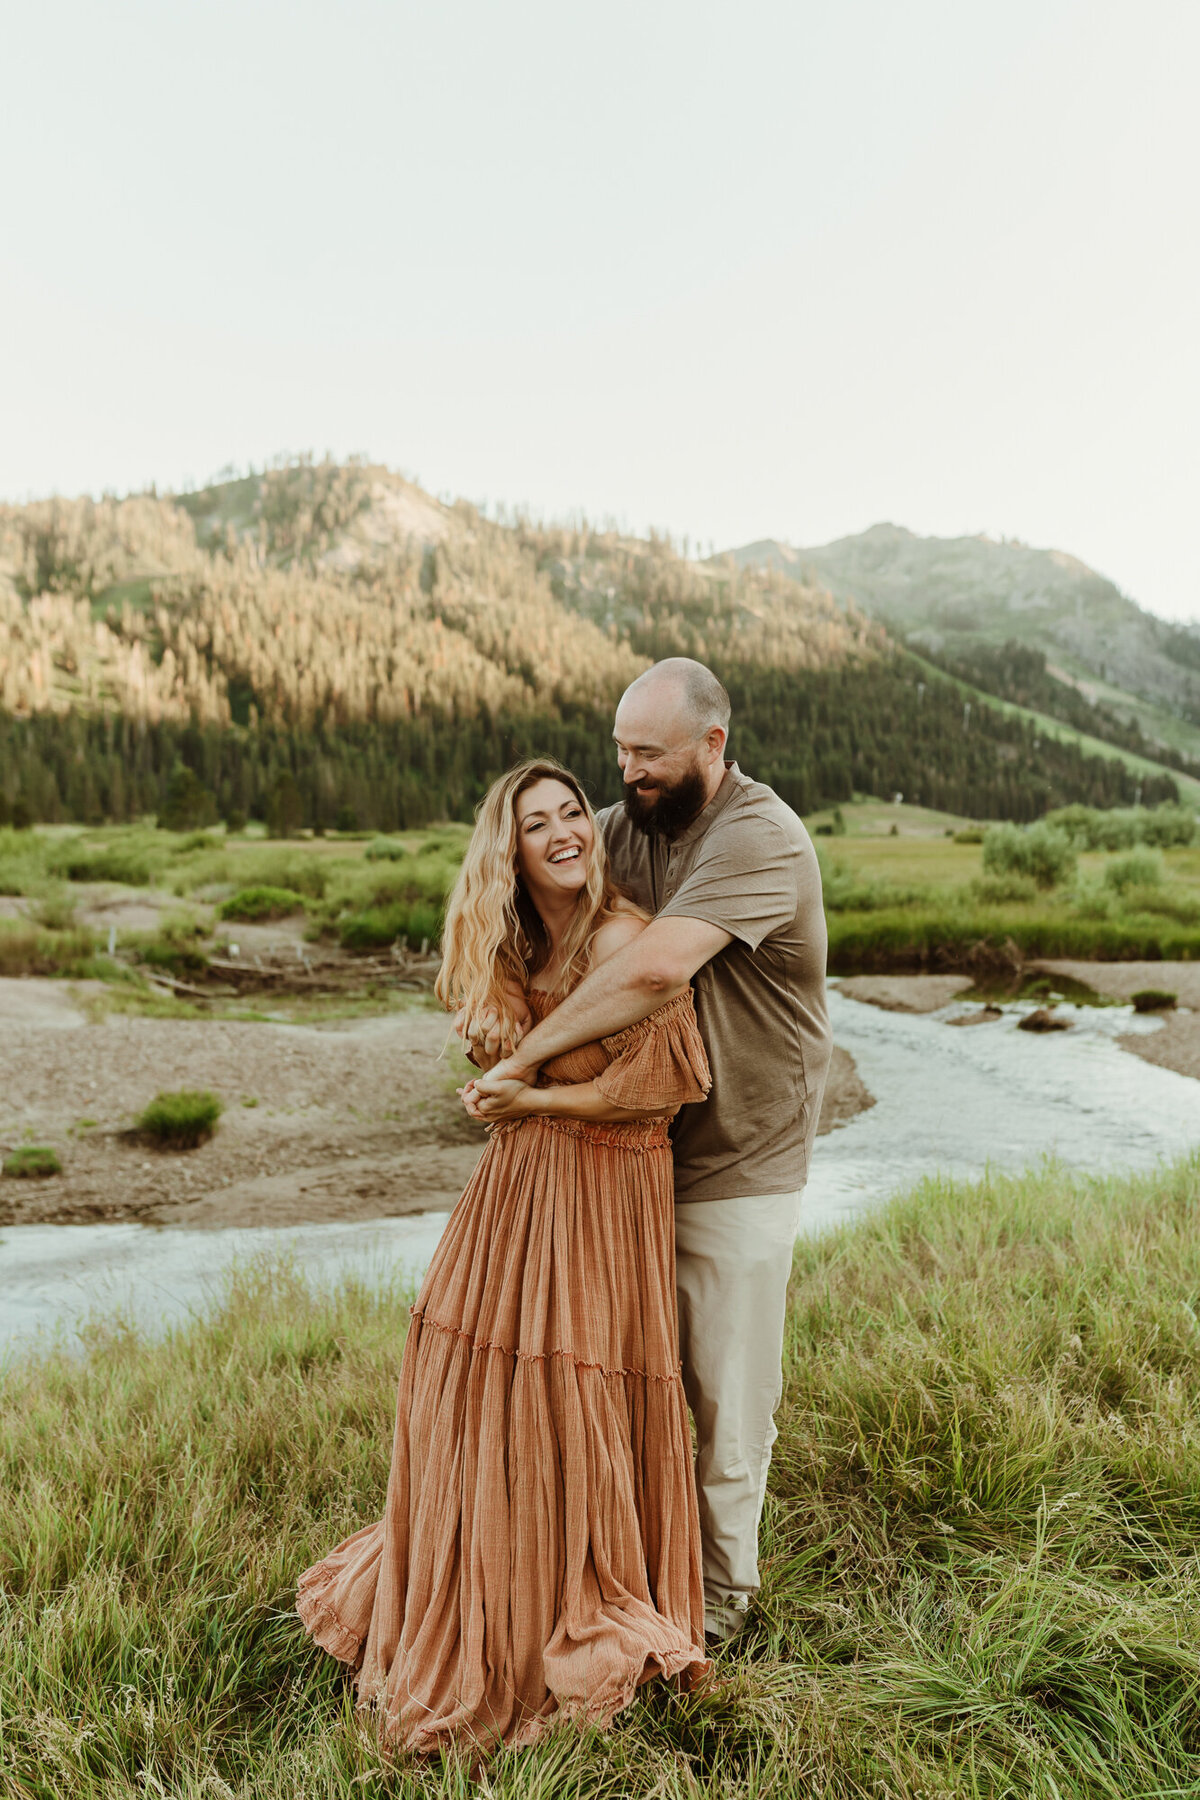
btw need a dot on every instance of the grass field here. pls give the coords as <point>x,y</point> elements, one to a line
<point>902,891</point>
<point>981,1573</point>
<point>901,888</point>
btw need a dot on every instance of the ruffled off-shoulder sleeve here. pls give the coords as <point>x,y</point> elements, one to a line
<point>658,1062</point>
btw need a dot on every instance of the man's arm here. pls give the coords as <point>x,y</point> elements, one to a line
<point>654,968</point>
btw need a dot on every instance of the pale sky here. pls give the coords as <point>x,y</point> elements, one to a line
<point>736,270</point>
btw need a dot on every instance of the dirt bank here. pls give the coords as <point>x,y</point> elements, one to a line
<point>904,993</point>
<point>1177,1045</point>
<point>355,1119</point>
<point>348,1121</point>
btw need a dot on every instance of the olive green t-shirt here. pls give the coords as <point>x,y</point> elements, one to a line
<point>747,865</point>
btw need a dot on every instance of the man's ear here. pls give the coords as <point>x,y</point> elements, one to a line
<point>716,738</point>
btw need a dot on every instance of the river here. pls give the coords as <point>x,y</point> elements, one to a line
<point>949,1099</point>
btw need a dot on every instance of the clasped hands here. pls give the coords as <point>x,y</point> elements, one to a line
<point>505,1088</point>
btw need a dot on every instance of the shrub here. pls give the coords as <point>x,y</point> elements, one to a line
<point>32,1162</point>
<point>1040,851</point>
<point>385,849</point>
<point>1153,1000</point>
<point>262,903</point>
<point>1091,899</point>
<point>970,834</point>
<point>999,890</point>
<point>1170,826</point>
<point>22,862</point>
<point>54,909</point>
<point>101,862</point>
<point>378,926</point>
<point>843,891</point>
<point>182,1119</point>
<point>1121,828</point>
<point>1140,868</point>
<point>161,952</point>
<point>1165,900</point>
<point>29,949</point>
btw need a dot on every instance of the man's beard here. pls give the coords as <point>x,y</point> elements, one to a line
<point>669,810</point>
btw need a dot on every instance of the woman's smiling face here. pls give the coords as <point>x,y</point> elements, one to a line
<point>554,841</point>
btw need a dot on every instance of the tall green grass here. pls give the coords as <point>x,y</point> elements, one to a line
<point>941,931</point>
<point>981,1552</point>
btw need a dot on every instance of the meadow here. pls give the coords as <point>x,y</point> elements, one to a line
<point>980,1573</point>
<point>908,888</point>
<point>353,892</point>
<point>904,888</point>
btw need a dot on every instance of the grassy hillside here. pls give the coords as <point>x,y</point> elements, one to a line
<point>957,597</point>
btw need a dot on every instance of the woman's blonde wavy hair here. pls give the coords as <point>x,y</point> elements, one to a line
<point>493,935</point>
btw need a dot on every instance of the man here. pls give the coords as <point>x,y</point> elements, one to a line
<point>731,877</point>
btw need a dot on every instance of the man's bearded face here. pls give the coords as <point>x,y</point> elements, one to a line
<point>663,805</point>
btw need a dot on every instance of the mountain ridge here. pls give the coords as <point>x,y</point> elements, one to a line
<point>953,597</point>
<point>335,626</point>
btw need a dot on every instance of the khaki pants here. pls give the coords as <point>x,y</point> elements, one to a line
<point>732,1262</point>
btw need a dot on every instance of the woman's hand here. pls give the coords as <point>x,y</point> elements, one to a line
<point>503,1100</point>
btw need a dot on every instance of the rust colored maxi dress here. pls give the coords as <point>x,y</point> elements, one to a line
<point>539,1553</point>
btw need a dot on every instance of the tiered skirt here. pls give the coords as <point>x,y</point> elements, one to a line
<point>539,1551</point>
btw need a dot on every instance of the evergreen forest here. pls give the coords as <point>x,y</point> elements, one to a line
<point>323,645</point>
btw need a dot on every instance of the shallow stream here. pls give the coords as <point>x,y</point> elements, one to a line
<point>950,1099</point>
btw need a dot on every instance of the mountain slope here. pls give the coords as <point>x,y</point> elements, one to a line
<point>952,596</point>
<point>332,627</point>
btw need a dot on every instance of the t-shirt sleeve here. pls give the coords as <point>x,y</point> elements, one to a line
<point>659,1062</point>
<point>745,880</point>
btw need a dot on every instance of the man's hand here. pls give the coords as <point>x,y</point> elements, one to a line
<point>481,1033</point>
<point>503,1100</point>
<point>512,1068</point>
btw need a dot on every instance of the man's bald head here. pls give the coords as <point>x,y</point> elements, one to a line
<point>684,688</point>
<point>670,733</point>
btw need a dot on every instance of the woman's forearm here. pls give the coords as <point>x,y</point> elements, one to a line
<point>583,1100</point>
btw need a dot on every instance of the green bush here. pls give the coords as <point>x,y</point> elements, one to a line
<point>1140,868</point>
<point>844,891</point>
<point>1040,851</point>
<point>23,861</point>
<point>30,949</point>
<point>378,926</point>
<point>385,849</point>
<point>235,867</point>
<point>167,953</point>
<point>182,1119</point>
<point>970,834</point>
<point>254,903</point>
<point>32,1162</point>
<point>1000,890</point>
<point>55,908</point>
<point>105,862</point>
<point>1153,1000</point>
<point>1121,828</point>
<point>1166,901</point>
<point>1092,899</point>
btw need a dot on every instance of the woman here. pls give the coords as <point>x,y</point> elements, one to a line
<point>539,1553</point>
